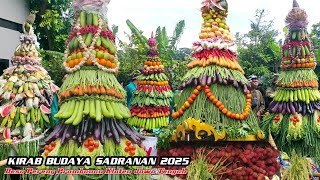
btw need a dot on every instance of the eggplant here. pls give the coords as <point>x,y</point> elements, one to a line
<point>189,81</point>
<point>70,132</point>
<point>219,79</point>
<point>308,109</point>
<point>209,81</point>
<point>103,127</point>
<point>136,133</point>
<point>214,78</point>
<point>295,105</point>
<point>235,84</point>
<point>274,108</point>
<point>230,80</point>
<point>96,134</point>
<point>108,130</point>
<point>64,134</point>
<point>304,108</point>
<point>299,107</point>
<point>203,80</point>
<point>272,104</point>
<point>224,82</point>
<point>288,108</point>
<point>60,132</point>
<point>195,81</point>
<point>311,108</point>
<point>115,134</point>
<point>316,106</point>
<point>241,83</point>
<point>284,108</point>
<point>291,107</point>
<point>126,130</point>
<point>54,132</point>
<point>280,107</point>
<point>118,128</point>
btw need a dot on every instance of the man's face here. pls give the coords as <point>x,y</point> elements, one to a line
<point>255,83</point>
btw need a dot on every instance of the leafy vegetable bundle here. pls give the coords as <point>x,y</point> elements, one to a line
<point>151,105</point>
<point>92,112</point>
<point>294,112</point>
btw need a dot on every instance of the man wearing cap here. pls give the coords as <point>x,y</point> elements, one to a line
<point>130,89</point>
<point>257,103</point>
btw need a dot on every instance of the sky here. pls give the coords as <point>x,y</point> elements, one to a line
<point>147,15</point>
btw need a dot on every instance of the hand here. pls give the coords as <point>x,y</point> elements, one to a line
<point>258,114</point>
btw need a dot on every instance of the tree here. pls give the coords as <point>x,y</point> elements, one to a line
<point>315,37</point>
<point>259,53</point>
<point>134,53</point>
<point>53,22</point>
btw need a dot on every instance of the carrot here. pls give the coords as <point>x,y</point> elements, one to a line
<point>75,91</point>
<point>80,91</point>
<point>90,90</point>
<point>67,94</point>
<point>102,90</point>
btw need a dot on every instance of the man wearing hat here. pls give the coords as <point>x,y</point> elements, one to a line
<point>257,103</point>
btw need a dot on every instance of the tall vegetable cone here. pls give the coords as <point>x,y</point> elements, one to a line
<point>151,106</point>
<point>294,112</point>
<point>26,94</point>
<point>214,110</point>
<point>93,112</point>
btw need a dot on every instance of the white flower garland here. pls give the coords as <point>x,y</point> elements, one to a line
<point>212,43</point>
<point>88,51</point>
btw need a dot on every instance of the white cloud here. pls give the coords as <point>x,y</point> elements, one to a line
<point>147,15</point>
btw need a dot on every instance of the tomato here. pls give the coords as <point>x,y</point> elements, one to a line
<point>132,153</point>
<point>86,144</point>
<point>96,145</point>
<point>132,148</point>
<point>90,139</point>
<point>128,143</point>
<point>91,143</point>
<point>91,148</point>
<point>127,149</point>
<point>50,148</point>
<point>46,153</point>
<point>53,144</point>
<point>46,147</point>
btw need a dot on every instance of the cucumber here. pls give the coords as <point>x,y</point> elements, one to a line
<point>89,19</point>
<point>74,114</point>
<point>92,112</point>
<point>110,109</point>
<point>88,39</point>
<point>70,110</point>
<point>79,116</point>
<point>22,120</point>
<point>98,110</point>
<point>303,52</point>
<point>83,18</point>
<point>115,108</point>
<point>86,108</point>
<point>105,112</point>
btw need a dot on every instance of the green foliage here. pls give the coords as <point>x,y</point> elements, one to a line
<point>53,22</point>
<point>132,55</point>
<point>52,61</point>
<point>259,54</point>
<point>315,37</point>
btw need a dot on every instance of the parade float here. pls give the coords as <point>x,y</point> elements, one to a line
<point>293,118</point>
<point>26,95</point>
<point>150,108</point>
<point>214,123</point>
<point>93,110</point>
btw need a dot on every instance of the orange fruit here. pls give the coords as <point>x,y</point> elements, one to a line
<point>89,62</point>
<point>108,64</point>
<point>113,65</point>
<point>103,62</point>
